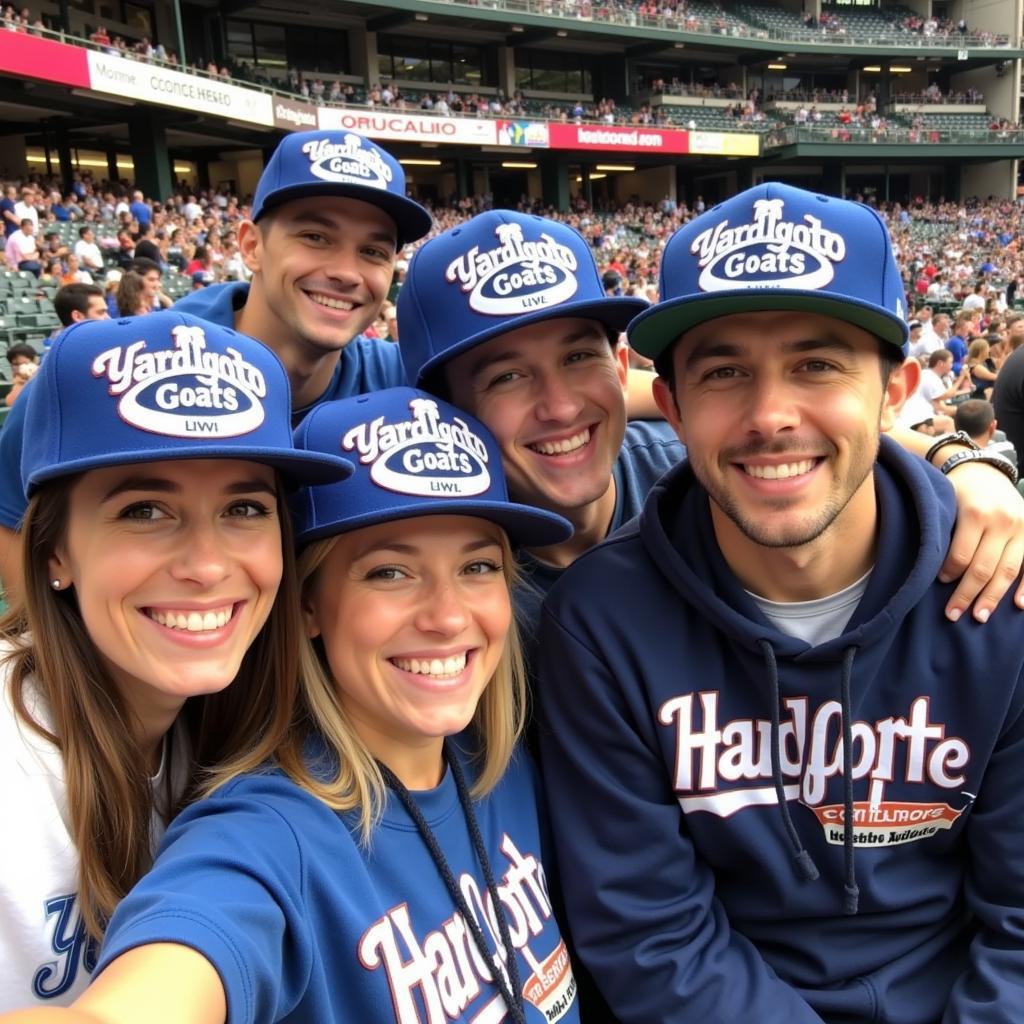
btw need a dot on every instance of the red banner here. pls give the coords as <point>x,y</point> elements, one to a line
<point>32,57</point>
<point>618,138</point>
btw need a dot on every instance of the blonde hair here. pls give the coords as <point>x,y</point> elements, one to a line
<point>978,349</point>
<point>109,792</point>
<point>351,781</point>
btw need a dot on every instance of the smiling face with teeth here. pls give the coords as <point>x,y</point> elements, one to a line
<point>553,394</point>
<point>781,415</point>
<point>174,567</point>
<point>321,268</point>
<point>413,616</point>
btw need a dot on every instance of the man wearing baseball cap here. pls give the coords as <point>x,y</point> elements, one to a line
<point>794,795</point>
<point>329,214</point>
<point>507,316</point>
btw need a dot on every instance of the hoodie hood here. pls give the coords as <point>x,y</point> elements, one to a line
<point>916,513</point>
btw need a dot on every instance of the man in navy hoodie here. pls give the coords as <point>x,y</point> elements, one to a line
<point>783,788</point>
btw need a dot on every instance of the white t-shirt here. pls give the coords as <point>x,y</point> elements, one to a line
<point>918,407</point>
<point>46,955</point>
<point>89,255</point>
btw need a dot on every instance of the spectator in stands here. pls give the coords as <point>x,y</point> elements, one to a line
<point>151,274</point>
<point>21,250</point>
<point>28,206</point>
<point>74,273</point>
<point>980,368</point>
<point>24,362</point>
<point>140,209</point>
<point>977,419</point>
<point>927,409</point>
<point>1008,395</point>
<point>963,331</point>
<point>87,251</point>
<point>76,302</point>
<point>145,243</point>
<point>132,299</point>
<point>8,206</point>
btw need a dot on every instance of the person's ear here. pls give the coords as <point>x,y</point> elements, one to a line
<point>902,383</point>
<point>667,406</point>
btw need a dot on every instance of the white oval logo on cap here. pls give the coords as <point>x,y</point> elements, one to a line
<point>424,455</point>
<point>348,162</point>
<point>516,276</point>
<point>185,391</point>
<point>768,252</point>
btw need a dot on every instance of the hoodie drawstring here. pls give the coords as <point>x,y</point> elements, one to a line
<point>851,892</point>
<point>807,868</point>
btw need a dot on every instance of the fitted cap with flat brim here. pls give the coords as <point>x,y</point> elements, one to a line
<point>498,272</point>
<point>340,163</point>
<point>414,456</point>
<point>160,387</point>
<point>777,248</point>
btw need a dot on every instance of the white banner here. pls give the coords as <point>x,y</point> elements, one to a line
<point>153,83</point>
<point>390,124</point>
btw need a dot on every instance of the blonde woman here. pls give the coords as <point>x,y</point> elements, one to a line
<point>381,860</point>
<point>155,545</point>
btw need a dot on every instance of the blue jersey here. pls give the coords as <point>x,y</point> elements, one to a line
<point>303,923</point>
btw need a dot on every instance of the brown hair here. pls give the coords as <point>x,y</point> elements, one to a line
<point>109,792</point>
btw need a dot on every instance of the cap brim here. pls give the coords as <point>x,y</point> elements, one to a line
<point>411,219</point>
<point>298,469</point>
<point>656,329</point>
<point>525,525</point>
<point>614,312</point>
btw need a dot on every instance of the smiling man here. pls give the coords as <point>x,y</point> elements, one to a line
<point>329,214</point>
<point>506,317</point>
<point>794,795</point>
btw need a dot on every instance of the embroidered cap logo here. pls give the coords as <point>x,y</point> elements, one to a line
<point>516,276</point>
<point>424,455</point>
<point>349,161</point>
<point>768,252</point>
<point>184,391</point>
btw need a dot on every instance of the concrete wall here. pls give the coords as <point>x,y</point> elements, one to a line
<point>994,178</point>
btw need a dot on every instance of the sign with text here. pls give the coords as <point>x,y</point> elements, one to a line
<point>294,115</point>
<point>154,84</point>
<point>409,127</point>
<point>725,143</point>
<point>618,138</point>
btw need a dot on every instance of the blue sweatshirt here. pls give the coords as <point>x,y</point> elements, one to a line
<point>689,891</point>
<point>304,924</point>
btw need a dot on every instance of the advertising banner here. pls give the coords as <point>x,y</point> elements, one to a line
<point>523,133</point>
<point>725,143</point>
<point>617,138</point>
<point>156,84</point>
<point>294,115</point>
<point>409,127</point>
<point>22,54</point>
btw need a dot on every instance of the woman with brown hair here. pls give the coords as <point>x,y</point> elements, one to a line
<point>131,295</point>
<point>155,547</point>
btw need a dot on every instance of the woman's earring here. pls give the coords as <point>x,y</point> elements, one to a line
<point>55,584</point>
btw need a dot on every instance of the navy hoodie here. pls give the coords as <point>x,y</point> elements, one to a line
<point>693,893</point>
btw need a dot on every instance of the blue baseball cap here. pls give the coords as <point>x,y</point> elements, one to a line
<point>339,163</point>
<point>156,387</point>
<point>775,247</point>
<point>498,272</point>
<point>414,456</point>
